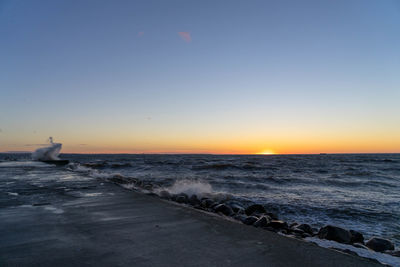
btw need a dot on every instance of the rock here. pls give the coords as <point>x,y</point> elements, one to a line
<point>297,231</point>
<point>213,206</point>
<point>250,220</point>
<point>379,244</point>
<point>194,201</point>
<point>278,224</point>
<point>237,208</point>
<point>165,194</point>
<point>293,225</point>
<point>306,228</point>
<point>207,203</point>
<point>182,198</point>
<point>262,222</point>
<point>335,233</point>
<point>272,215</point>
<point>356,237</point>
<point>224,209</point>
<point>284,231</point>
<point>256,208</point>
<point>304,235</point>
<point>314,231</point>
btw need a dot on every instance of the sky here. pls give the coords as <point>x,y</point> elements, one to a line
<point>234,77</point>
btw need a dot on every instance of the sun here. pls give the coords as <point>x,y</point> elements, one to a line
<point>266,152</point>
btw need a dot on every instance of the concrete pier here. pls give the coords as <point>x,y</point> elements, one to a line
<point>101,224</point>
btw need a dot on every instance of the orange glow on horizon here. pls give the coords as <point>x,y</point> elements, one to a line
<point>266,152</point>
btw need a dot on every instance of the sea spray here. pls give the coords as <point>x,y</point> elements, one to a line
<point>190,187</point>
<point>48,153</point>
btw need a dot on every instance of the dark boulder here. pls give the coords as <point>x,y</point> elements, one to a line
<point>194,201</point>
<point>213,206</point>
<point>250,220</point>
<point>207,203</point>
<point>262,222</point>
<point>256,208</point>
<point>304,235</point>
<point>335,233</point>
<point>224,209</point>
<point>306,228</point>
<point>356,237</point>
<point>237,208</point>
<point>379,244</point>
<point>315,231</point>
<point>165,194</point>
<point>182,198</point>
<point>278,224</point>
<point>284,231</point>
<point>297,230</point>
<point>272,215</point>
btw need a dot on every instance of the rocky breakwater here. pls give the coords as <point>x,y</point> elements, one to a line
<point>259,216</point>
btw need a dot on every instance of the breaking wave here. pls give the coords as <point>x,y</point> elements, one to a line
<point>48,153</point>
<point>190,187</point>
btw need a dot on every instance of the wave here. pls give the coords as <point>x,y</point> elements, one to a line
<point>105,164</point>
<point>190,187</point>
<point>227,166</point>
<point>48,153</point>
<point>366,253</point>
<point>346,183</point>
<point>23,164</point>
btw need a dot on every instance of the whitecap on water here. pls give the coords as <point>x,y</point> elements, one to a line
<point>190,187</point>
<point>54,209</point>
<point>20,164</point>
<point>381,257</point>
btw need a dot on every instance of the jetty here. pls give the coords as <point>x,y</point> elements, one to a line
<point>95,223</point>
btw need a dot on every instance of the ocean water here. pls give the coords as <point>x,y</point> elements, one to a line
<point>353,191</point>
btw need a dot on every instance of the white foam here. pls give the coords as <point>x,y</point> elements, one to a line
<point>190,188</point>
<point>18,164</point>
<point>54,209</point>
<point>366,253</point>
<point>92,172</point>
<point>12,194</point>
<point>92,194</point>
<point>48,153</point>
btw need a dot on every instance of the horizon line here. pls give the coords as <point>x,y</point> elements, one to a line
<point>231,154</point>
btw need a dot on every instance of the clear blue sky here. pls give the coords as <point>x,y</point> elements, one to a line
<point>118,76</point>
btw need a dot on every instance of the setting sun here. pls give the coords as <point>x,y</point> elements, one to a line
<point>266,152</point>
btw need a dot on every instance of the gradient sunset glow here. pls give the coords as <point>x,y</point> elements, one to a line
<point>255,77</point>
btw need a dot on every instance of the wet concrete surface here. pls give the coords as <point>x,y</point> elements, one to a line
<point>94,223</point>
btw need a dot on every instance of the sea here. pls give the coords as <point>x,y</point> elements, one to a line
<point>354,191</point>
